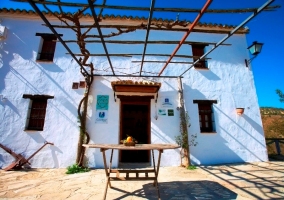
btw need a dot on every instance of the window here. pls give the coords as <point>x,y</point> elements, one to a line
<point>197,52</point>
<point>47,47</point>
<point>206,115</point>
<point>37,111</point>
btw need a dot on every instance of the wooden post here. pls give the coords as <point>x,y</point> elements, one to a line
<point>278,149</point>
<point>183,127</point>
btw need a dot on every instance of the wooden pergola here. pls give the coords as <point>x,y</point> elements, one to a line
<point>92,21</point>
<point>125,25</point>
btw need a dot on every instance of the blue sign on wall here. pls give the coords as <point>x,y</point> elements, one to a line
<point>102,102</point>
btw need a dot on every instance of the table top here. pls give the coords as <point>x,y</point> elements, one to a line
<point>136,147</point>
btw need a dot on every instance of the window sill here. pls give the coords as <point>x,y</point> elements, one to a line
<point>213,132</point>
<point>33,130</point>
<point>201,68</point>
<point>44,61</point>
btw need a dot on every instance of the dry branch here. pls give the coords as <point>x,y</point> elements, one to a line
<point>138,54</point>
<point>142,42</point>
<point>159,27</point>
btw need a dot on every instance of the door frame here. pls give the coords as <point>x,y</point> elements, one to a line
<point>135,100</point>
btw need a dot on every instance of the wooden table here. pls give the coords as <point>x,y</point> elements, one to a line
<point>155,170</point>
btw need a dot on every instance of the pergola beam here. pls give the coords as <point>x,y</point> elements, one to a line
<point>179,10</point>
<point>137,76</point>
<point>160,61</point>
<point>147,33</point>
<point>206,5</point>
<point>231,33</point>
<point>100,33</point>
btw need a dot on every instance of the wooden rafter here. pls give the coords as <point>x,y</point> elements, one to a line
<point>100,32</point>
<point>138,54</point>
<point>179,10</point>
<point>265,5</point>
<point>190,28</point>
<point>125,26</point>
<point>147,33</point>
<point>160,61</point>
<point>142,42</point>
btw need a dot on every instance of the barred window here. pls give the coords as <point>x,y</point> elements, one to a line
<point>197,52</point>
<point>37,114</point>
<point>37,111</point>
<point>47,47</point>
<point>206,115</point>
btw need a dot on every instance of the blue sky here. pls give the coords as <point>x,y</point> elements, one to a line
<point>267,28</point>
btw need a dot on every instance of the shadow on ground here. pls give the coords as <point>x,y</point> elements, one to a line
<point>276,157</point>
<point>185,190</point>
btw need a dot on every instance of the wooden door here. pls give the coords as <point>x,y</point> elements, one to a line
<point>135,122</point>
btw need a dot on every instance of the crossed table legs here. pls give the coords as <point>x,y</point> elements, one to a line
<point>108,171</point>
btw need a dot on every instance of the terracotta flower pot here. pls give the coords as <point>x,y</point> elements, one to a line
<point>240,111</point>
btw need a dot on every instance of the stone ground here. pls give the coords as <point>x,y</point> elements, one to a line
<point>263,180</point>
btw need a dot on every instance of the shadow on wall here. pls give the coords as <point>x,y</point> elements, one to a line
<point>213,149</point>
<point>13,42</point>
<point>24,53</point>
<point>193,93</point>
<point>38,138</point>
<point>5,58</point>
<point>52,67</point>
<point>241,144</point>
<point>208,74</point>
<point>255,125</point>
<point>182,190</point>
<point>230,149</point>
<point>36,91</point>
<point>9,104</point>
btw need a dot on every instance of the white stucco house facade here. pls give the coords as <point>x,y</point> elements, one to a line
<point>211,95</point>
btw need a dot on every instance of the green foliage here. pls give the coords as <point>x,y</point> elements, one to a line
<point>281,95</point>
<point>181,140</point>
<point>191,167</point>
<point>73,169</point>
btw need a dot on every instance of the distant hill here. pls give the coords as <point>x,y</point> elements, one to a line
<point>271,111</point>
<point>273,125</point>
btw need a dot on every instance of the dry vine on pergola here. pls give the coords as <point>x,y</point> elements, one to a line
<point>72,21</point>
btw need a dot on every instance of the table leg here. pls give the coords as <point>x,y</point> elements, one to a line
<point>159,161</point>
<point>106,170</point>
<point>110,163</point>
<point>156,172</point>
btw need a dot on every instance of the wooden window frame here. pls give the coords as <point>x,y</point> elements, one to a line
<point>197,52</point>
<point>47,47</point>
<point>206,115</point>
<point>37,111</point>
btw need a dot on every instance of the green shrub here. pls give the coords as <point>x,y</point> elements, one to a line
<point>73,169</point>
<point>191,167</point>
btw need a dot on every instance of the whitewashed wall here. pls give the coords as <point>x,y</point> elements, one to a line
<point>228,80</point>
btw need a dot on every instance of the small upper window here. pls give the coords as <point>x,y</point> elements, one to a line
<point>206,116</point>
<point>37,111</point>
<point>47,47</point>
<point>197,52</point>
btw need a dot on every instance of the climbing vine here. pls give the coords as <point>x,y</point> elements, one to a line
<point>87,70</point>
<point>182,139</point>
